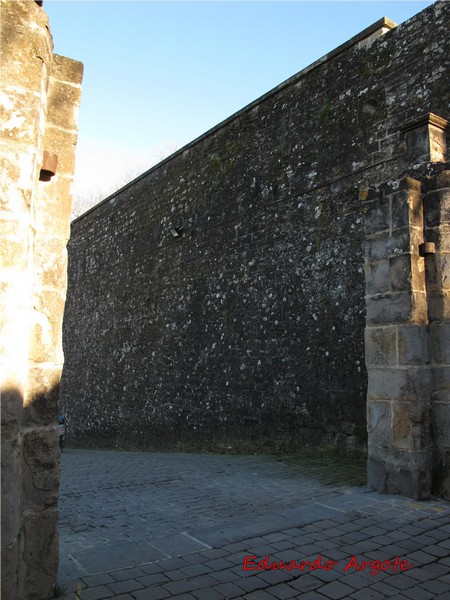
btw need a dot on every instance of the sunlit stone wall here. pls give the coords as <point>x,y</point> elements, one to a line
<point>39,103</point>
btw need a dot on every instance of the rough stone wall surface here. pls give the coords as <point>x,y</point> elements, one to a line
<point>246,332</point>
<point>38,103</point>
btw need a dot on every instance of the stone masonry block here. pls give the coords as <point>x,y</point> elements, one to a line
<point>406,210</point>
<point>26,47</point>
<point>443,265</point>
<point>425,138</point>
<point>412,383</point>
<point>437,207</point>
<point>441,380</point>
<point>412,345</point>
<point>42,395</point>
<point>14,308</point>
<point>381,346</point>
<point>396,308</point>
<point>438,271</point>
<point>51,303</point>
<point>16,182</point>
<point>400,276</point>
<point>384,244</point>
<point>441,424</point>
<point>441,395</point>
<point>441,475</point>
<point>379,423</point>
<point>410,185</point>
<point>419,273</point>
<point>438,144</point>
<point>63,102</point>
<point>11,409</point>
<point>15,242</point>
<point>419,383</point>
<point>371,195</point>
<point>375,247</point>
<point>409,474</point>
<point>376,473</point>
<point>50,261</point>
<point>40,468</point>
<point>407,272</point>
<point>54,221</point>
<point>439,181</point>
<point>432,273</point>
<point>20,112</point>
<point>377,277</point>
<point>439,306</point>
<point>10,570</point>
<point>62,144</point>
<point>377,216</point>
<point>401,426</point>
<point>440,343</point>
<point>39,552</point>
<point>410,424</point>
<point>47,317</point>
<point>14,304</point>
<point>11,492</point>
<point>415,204</point>
<point>67,69</point>
<point>440,235</point>
<point>44,340</point>
<point>25,14</point>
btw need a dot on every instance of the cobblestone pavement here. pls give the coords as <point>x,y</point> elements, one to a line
<point>138,526</point>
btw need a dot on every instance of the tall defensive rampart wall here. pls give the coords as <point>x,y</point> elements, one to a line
<point>218,301</point>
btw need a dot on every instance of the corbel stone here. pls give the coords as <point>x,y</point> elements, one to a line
<point>425,138</point>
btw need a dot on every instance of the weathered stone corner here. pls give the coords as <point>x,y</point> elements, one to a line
<point>426,138</point>
<point>41,94</point>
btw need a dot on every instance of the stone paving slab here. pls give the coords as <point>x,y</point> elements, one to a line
<point>140,526</point>
<point>116,555</point>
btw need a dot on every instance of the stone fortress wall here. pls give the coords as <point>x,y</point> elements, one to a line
<point>39,104</point>
<point>252,292</point>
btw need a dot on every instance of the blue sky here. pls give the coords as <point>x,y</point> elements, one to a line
<point>159,74</point>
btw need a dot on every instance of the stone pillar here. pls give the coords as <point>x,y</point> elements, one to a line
<point>436,202</point>
<point>408,311</point>
<point>399,378</point>
<point>425,138</point>
<point>39,102</point>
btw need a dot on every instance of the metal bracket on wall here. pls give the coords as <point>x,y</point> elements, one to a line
<point>49,164</point>
<point>427,248</point>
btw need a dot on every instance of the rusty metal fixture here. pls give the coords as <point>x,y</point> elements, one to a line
<point>49,163</point>
<point>427,248</point>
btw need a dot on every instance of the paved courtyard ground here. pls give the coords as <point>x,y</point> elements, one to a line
<point>150,526</point>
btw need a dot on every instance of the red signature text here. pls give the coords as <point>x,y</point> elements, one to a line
<point>265,565</point>
<point>395,565</point>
